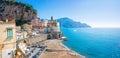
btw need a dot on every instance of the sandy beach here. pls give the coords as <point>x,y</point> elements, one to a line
<point>56,49</point>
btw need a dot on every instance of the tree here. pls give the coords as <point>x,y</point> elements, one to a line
<point>21,12</point>
<point>8,0</point>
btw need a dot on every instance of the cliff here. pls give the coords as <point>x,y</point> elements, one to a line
<point>10,9</point>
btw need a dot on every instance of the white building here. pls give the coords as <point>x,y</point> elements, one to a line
<point>21,35</point>
<point>57,27</point>
<point>46,22</point>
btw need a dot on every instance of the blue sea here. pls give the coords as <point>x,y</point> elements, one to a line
<point>94,42</point>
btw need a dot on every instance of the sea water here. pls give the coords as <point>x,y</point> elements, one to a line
<point>94,42</point>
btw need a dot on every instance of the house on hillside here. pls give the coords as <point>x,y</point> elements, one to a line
<point>21,35</point>
<point>38,23</point>
<point>7,38</point>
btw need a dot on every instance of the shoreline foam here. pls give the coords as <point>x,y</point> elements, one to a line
<point>72,50</point>
<point>56,49</point>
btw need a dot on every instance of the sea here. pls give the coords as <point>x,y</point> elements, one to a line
<point>93,42</point>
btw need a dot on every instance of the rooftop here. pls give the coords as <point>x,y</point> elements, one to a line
<point>7,21</point>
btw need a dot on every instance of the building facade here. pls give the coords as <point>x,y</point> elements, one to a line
<point>7,38</point>
<point>54,29</point>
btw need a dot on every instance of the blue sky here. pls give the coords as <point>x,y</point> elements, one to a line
<point>96,13</point>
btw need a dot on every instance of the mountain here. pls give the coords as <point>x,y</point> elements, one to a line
<point>21,12</point>
<point>69,23</point>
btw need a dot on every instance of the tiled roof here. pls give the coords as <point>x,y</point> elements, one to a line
<point>8,21</point>
<point>38,24</point>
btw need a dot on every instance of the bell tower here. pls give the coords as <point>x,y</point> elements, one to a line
<point>51,18</point>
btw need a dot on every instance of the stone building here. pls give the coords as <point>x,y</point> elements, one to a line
<point>7,38</point>
<point>54,29</point>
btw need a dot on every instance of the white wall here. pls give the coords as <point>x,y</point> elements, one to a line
<point>8,53</point>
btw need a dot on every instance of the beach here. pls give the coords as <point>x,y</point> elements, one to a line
<point>55,49</point>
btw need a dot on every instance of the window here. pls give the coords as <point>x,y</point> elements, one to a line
<point>9,33</point>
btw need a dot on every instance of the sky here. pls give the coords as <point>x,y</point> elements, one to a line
<point>96,13</point>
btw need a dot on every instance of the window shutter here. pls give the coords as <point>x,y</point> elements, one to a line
<point>10,33</point>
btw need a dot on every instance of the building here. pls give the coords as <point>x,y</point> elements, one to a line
<point>7,38</point>
<point>38,24</point>
<point>21,35</point>
<point>53,29</point>
<point>57,27</point>
<point>26,27</point>
<point>46,21</point>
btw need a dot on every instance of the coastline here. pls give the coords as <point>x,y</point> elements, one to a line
<point>73,51</point>
<point>56,49</point>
